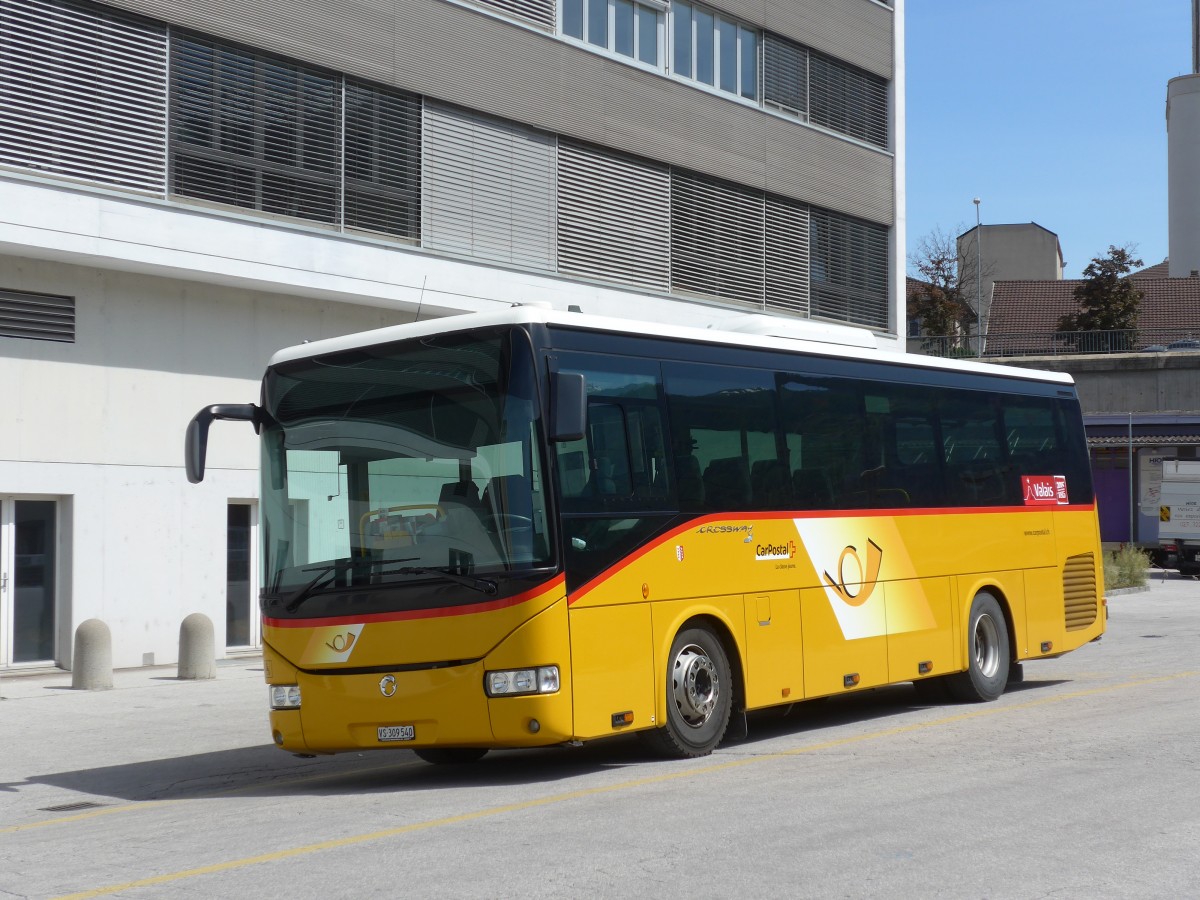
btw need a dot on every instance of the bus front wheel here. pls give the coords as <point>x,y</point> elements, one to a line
<point>699,688</point>
<point>988,653</point>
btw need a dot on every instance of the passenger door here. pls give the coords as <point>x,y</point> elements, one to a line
<point>28,581</point>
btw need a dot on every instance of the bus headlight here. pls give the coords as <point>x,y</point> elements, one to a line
<point>511,682</point>
<point>285,696</point>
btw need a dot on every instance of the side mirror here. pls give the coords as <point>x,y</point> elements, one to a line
<point>568,406</point>
<point>195,442</point>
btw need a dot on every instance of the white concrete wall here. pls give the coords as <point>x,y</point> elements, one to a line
<point>100,423</point>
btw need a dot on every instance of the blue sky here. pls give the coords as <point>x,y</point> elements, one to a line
<point>1049,111</point>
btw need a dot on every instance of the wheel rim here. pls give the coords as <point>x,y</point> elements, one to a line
<point>987,646</point>
<point>694,685</point>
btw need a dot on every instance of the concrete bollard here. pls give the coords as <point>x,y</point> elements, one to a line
<point>91,666</point>
<point>197,650</point>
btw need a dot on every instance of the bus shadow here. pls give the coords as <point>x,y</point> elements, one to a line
<point>890,702</point>
<point>264,771</point>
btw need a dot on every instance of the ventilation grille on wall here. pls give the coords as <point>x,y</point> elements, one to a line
<point>37,317</point>
<point>539,11</point>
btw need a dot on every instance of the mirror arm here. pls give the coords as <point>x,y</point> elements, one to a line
<point>195,445</point>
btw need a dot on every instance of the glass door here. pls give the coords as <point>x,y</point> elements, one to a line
<point>241,582</point>
<point>28,579</point>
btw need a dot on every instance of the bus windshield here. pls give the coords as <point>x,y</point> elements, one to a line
<point>412,458</point>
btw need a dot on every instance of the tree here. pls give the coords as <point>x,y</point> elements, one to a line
<point>941,301</point>
<point>1108,304</point>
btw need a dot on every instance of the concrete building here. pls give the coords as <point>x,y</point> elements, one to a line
<point>1183,163</point>
<point>1021,252</point>
<point>185,188</point>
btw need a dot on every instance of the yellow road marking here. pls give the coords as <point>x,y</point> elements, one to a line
<point>606,789</point>
<point>90,814</point>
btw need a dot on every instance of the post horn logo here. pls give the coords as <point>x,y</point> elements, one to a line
<point>857,590</point>
<point>387,685</point>
<point>341,643</point>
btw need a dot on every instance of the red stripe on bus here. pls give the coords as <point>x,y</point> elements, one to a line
<point>409,615</point>
<point>699,522</point>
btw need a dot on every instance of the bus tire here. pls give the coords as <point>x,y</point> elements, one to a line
<point>699,687</point>
<point>988,653</point>
<point>451,756</point>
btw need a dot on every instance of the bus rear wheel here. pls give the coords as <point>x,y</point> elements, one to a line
<point>451,756</point>
<point>699,688</point>
<point>988,653</point>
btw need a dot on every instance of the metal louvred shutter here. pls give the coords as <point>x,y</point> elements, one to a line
<point>38,317</point>
<point>613,216</point>
<point>254,130</point>
<point>539,11</point>
<point>787,256</point>
<point>382,146</point>
<point>848,269</point>
<point>847,99</point>
<point>83,93</point>
<point>785,75</point>
<point>717,238</point>
<point>488,188</point>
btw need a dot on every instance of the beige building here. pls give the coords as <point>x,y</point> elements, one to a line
<point>1025,252</point>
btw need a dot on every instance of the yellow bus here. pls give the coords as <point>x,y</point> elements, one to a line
<point>533,528</point>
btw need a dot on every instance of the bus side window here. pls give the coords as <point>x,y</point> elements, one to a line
<point>725,438</point>
<point>1030,435</point>
<point>620,462</point>
<point>822,430</point>
<point>976,470</point>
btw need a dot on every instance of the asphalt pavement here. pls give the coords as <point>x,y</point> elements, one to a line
<point>1078,783</point>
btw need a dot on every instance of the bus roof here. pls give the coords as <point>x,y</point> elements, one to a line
<point>755,331</point>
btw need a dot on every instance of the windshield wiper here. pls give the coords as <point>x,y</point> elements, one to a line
<point>483,585</point>
<point>325,574</point>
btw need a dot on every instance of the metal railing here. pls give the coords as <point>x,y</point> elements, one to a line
<point>1058,343</point>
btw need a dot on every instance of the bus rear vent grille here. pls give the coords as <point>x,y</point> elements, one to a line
<point>1080,598</point>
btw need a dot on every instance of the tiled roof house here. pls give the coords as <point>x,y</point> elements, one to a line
<point>1025,314</point>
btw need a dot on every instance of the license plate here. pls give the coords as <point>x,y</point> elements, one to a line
<point>397,732</point>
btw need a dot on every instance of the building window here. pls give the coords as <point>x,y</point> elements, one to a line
<point>635,30</point>
<point>82,92</point>
<point>614,216</point>
<point>382,167</point>
<point>848,269</point>
<point>848,100</point>
<point>785,75</point>
<point>717,238</point>
<point>489,188</point>
<point>257,131</point>
<point>37,317</point>
<point>825,91</point>
<point>714,50</point>
<point>253,130</point>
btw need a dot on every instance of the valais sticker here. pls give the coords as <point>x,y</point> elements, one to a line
<point>1044,490</point>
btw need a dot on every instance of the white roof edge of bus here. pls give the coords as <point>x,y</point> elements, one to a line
<point>798,329</point>
<point>819,343</point>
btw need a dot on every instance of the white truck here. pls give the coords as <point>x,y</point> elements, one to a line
<point>1179,513</point>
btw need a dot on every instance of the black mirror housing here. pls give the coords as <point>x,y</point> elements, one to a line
<point>568,406</point>
<point>195,442</point>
